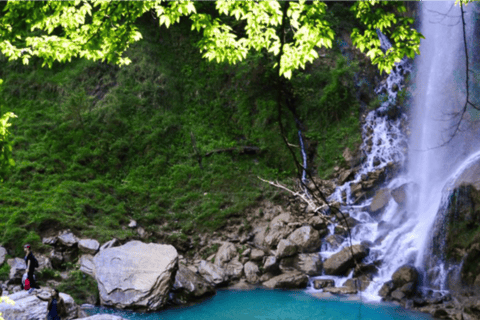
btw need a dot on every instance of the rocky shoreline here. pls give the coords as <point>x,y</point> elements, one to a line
<point>280,251</point>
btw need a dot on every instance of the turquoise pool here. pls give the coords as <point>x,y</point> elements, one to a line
<point>262,304</point>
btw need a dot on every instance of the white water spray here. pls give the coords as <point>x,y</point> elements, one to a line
<point>438,91</point>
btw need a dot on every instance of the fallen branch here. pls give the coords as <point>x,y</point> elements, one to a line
<point>310,202</point>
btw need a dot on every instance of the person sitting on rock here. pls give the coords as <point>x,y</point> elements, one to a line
<point>56,307</point>
<point>30,262</point>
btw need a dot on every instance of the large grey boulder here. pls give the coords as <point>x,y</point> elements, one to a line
<point>291,280</point>
<point>17,269</point>
<point>135,275</point>
<point>308,263</point>
<point>341,262</point>
<point>90,246</point>
<point>87,265</point>
<point>30,306</point>
<point>3,253</point>
<point>306,238</point>
<point>251,272</point>
<point>189,285</point>
<point>285,248</point>
<point>225,253</point>
<point>212,273</point>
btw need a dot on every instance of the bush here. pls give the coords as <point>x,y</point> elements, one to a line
<point>4,271</point>
<point>80,287</point>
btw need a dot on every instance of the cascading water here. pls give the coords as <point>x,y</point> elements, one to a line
<point>403,233</point>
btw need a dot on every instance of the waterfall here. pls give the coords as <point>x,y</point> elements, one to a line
<point>403,234</point>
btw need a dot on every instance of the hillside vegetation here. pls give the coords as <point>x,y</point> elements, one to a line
<point>162,141</point>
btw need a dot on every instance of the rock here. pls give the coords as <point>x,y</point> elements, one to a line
<point>281,220</point>
<point>405,274</point>
<point>142,233</point>
<point>386,289</point>
<point>189,285</point>
<point>270,264</point>
<point>3,253</point>
<point>109,244</point>
<point>67,239</point>
<point>345,176</point>
<point>242,285</point>
<point>256,255</point>
<point>50,241</point>
<point>399,194</point>
<point>86,264</point>
<point>132,224</point>
<point>43,262</point>
<point>380,201</point>
<point>397,295</point>
<point>309,264</point>
<point>259,236</point>
<point>225,253</point>
<point>357,283</point>
<point>317,223</point>
<point>70,253</point>
<point>285,248</point>
<point>30,306</point>
<point>212,272</point>
<point>291,280</point>
<point>246,252</point>
<point>275,234</point>
<point>17,269</point>
<point>234,269</point>
<point>334,241</point>
<point>323,283</point>
<point>56,258</point>
<point>339,263</point>
<point>350,158</point>
<point>266,276</point>
<point>408,289</point>
<point>251,272</point>
<point>306,238</point>
<point>340,290</point>
<point>90,246</point>
<point>135,275</point>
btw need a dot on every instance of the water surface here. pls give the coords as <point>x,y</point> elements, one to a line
<point>263,304</point>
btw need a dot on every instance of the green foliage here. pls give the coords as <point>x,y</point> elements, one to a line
<point>48,274</point>
<point>105,30</point>
<point>79,286</point>
<point>6,159</point>
<point>210,250</point>
<point>99,145</point>
<point>387,17</point>
<point>4,272</point>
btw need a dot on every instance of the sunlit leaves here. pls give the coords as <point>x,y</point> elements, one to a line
<point>405,39</point>
<point>6,159</point>
<point>104,29</point>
